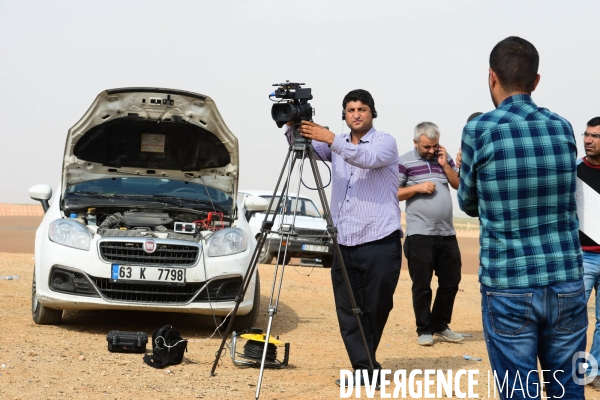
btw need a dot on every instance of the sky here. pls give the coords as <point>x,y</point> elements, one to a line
<point>421,61</point>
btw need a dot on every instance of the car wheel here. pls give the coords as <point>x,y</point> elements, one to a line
<point>265,257</point>
<point>42,315</point>
<point>327,262</point>
<point>243,322</point>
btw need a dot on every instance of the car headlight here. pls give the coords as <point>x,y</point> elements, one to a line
<point>227,241</point>
<point>70,233</point>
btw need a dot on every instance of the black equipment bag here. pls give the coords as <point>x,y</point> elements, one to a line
<point>127,342</point>
<point>167,348</point>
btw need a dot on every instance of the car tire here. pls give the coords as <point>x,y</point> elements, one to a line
<point>264,257</point>
<point>243,322</point>
<point>43,315</point>
<point>327,262</point>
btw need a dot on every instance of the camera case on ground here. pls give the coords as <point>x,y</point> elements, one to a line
<point>127,342</point>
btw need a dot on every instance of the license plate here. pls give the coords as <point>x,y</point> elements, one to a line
<point>148,274</point>
<point>315,247</point>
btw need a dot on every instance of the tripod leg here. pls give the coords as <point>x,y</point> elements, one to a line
<point>265,230</point>
<point>355,310</point>
<point>264,355</point>
<point>278,280</point>
<point>238,299</point>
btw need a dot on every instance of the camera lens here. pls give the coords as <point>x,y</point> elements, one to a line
<point>284,112</point>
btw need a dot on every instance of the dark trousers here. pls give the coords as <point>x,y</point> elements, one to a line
<point>426,255</point>
<point>373,271</point>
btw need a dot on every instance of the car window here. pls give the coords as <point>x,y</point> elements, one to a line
<point>304,207</point>
<point>310,209</point>
<point>150,186</point>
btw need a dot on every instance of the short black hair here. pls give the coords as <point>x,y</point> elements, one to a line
<point>594,121</point>
<point>359,95</point>
<point>515,61</point>
<point>474,115</point>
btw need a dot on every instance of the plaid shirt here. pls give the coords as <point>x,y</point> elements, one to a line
<point>518,174</point>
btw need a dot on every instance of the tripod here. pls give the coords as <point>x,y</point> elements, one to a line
<point>299,150</point>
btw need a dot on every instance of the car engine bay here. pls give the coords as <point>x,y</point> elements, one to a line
<point>150,223</point>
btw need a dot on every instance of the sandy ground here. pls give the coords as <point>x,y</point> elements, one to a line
<point>17,233</point>
<point>71,360</point>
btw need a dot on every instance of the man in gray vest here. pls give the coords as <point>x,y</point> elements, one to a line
<point>431,244</point>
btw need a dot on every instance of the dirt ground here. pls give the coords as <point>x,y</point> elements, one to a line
<point>17,234</point>
<point>71,360</point>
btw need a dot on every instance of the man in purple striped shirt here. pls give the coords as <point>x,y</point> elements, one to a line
<point>430,246</point>
<point>365,210</point>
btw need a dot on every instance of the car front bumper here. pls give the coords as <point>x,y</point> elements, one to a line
<point>300,247</point>
<point>72,279</point>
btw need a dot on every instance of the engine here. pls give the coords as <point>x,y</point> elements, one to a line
<point>153,223</point>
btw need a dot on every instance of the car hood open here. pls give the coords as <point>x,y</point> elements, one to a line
<point>152,132</point>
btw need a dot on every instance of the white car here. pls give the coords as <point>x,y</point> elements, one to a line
<point>145,217</point>
<point>307,220</point>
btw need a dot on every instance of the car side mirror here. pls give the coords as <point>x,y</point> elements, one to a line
<point>41,193</point>
<point>255,203</point>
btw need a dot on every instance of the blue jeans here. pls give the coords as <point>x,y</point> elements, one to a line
<point>591,278</point>
<point>522,325</point>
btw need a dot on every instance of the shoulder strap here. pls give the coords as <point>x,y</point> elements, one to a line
<point>148,359</point>
<point>158,333</point>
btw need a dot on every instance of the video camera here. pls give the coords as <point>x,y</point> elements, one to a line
<point>296,110</point>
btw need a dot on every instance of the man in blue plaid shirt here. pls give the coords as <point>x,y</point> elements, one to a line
<point>518,175</point>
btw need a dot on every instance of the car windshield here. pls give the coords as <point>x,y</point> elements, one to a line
<point>153,188</point>
<point>303,207</point>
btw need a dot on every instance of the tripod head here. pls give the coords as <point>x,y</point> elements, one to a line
<point>300,142</point>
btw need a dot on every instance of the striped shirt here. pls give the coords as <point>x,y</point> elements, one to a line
<point>427,214</point>
<point>364,202</point>
<point>518,174</point>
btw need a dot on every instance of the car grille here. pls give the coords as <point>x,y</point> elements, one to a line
<point>132,253</point>
<point>167,294</point>
<point>313,232</point>
<point>303,231</point>
<point>147,293</point>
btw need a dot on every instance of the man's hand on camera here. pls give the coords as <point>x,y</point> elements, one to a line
<point>313,131</point>
<point>426,187</point>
